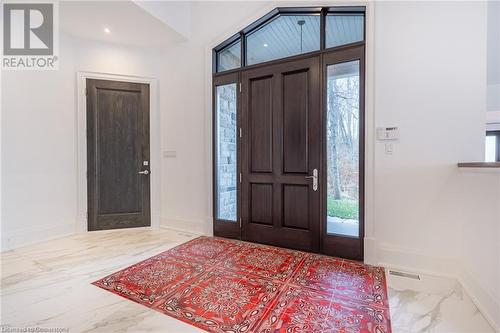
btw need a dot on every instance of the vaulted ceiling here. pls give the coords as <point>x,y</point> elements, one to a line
<point>128,22</point>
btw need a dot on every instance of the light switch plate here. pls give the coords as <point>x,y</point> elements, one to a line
<point>389,148</point>
<point>169,153</point>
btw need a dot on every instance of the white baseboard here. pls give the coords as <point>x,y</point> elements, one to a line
<point>188,226</point>
<point>398,257</point>
<point>407,260</point>
<point>181,230</point>
<point>29,236</point>
<point>483,299</point>
<point>370,251</point>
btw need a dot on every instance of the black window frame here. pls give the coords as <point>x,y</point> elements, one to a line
<point>495,133</point>
<point>283,11</point>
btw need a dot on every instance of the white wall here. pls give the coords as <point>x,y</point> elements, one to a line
<point>183,177</point>
<point>493,100</point>
<point>480,243</point>
<point>493,93</point>
<point>430,80</point>
<point>39,166</point>
<point>38,152</point>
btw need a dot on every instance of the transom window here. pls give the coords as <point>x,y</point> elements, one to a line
<point>287,32</point>
<point>230,57</point>
<point>284,36</point>
<point>344,28</point>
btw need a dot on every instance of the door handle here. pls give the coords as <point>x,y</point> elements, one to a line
<point>315,179</point>
<point>145,172</point>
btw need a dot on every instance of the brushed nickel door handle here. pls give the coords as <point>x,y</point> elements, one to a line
<point>315,179</point>
<point>145,172</point>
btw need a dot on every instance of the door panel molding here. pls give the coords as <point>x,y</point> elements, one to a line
<point>295,123</point>
<point>155,150</point>
<point>295,206</point>
<point>260,129</point>
<point>262,211</point>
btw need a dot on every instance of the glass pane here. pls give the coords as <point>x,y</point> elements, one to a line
<point>343,148</point>
<point>229,58</point>
<point>285,36</point>
<point>491,148</point>
<point>344,29</point>
<point>226,152</point>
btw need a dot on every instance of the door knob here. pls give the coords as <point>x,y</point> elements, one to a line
<point>145,172</point>
<point>315,179</point>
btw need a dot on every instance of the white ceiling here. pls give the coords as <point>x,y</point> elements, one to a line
<point>129,23</point>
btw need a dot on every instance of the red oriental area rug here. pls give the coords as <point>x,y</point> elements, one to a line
<point>222,285</point>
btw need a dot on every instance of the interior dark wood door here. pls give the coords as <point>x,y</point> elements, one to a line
<point>280,148</point>
<point>118,155</point>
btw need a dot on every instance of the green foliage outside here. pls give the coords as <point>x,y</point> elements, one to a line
<point>344,209</point>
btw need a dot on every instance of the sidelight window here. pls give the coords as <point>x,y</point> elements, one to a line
<point>226,162</point>
<point>342,132</point>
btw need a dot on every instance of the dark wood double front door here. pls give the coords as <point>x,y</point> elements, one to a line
<point>280,154</point>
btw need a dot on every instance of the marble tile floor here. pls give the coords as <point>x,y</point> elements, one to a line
<point>47,285</point>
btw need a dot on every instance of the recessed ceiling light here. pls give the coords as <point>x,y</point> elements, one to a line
<point>265,45</point>
<point>106,30</point>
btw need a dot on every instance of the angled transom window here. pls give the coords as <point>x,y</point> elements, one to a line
<point>285,36</point>
<point>287,32</point>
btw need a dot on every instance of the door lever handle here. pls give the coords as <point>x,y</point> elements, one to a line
<point>145,172</point>
<point>315,179</point>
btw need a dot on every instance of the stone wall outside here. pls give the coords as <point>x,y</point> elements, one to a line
<point>226,150</point>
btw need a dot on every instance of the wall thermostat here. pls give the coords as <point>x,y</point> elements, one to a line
<point>388,133</point>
